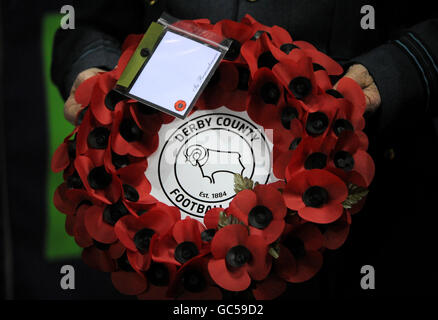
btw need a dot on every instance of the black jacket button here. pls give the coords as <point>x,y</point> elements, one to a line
<point>389,154</point>
<point>145,52</point>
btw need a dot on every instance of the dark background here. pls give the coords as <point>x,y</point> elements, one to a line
<point>395,232</point>
<point>24,147</point>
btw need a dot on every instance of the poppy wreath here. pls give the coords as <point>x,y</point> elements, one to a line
<point>269,235</point>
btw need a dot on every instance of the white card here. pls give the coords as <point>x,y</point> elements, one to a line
<point>174,75</point>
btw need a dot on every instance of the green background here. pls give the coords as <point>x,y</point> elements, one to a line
<point>59,245</point>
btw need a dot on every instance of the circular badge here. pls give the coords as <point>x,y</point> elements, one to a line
<point>180,105</point>
<point>194,166</point>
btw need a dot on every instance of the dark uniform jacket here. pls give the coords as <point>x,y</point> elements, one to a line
<point>393,232</point>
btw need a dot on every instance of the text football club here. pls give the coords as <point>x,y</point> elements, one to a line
<point>194,166</point>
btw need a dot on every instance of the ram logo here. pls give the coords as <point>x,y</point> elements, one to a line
<point>211,162</point>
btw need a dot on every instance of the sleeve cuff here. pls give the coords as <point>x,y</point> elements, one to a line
<point>399,83</point>
<point>100,56</point>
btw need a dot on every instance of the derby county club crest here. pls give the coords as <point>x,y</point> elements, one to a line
<point>194,166</point>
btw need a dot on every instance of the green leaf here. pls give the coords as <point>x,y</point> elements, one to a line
<point>274,251</point>
<point>225,220</point>
<point>241,183</point>
<point>355,194</point>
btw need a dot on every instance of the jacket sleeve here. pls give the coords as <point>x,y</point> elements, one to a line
<point>406,74</point>
<point>101,26</point>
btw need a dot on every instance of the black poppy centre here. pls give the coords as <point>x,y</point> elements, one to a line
<point>288,47</point>
<point>207,235</point>
<point>316,160</point>
<point>112,98</point>
<point>340,125</point>
<point>287,115</point>
<point>316,123</point>
<point>130,193</point>
<point>294,144</point>
<point>98,138</point>
<point>260,217</point>
<point>112,213</point>
<point>300,87</point>
<point>158,274</point>
<point>193,280</point>
<point>237,256</point>
<point>266,60</point>
<point>315,197</point>
<point>270,93</point>
<point>344,160</point>
<point>185,251</point>
<point>130,131</point>
<point>99,178</point>
<point>233,51</point>
<point>142,239</point>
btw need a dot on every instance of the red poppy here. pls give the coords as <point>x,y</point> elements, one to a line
<point>101,218</point>
<point>97,222</point>
<point>136,233</point>
<point>98,259</point>
<point>66,200</point>
<point>135,187</point>
<point>104,100</point>
<point>279,185</point>
<point>65,153</point>
<point>348,157</point>
<point>293,220</point>
<point>193,282</point>
<point>228,87</point>
<point>99,183</point>
<point>239,34</point>
<point>290,109</point>
<point>295,50</point>
<point>262,210</point>
<point>346,119</point>
<point>322,78</point>
<point>298,78</point>
<point>276,34</point>
<point>351,107</point>
<point>238,258</point>
<point>84,92</point>
<point>92,138</point>
<point>300,258</point>
<point>147,118</point>
<point>265,96</point>
<point>126,280</point>
<point>316,194</point>
<point>129,283</point>
<point>311,153</point>
<point>211,218</point>
<point>114,161</point>
<point>336,233</point>
<point>76,225</point>
<point>181,244</point>
<point>128,138</point>
<point>285,143</point>
<point>352,92</point>
<point>257,54</point>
